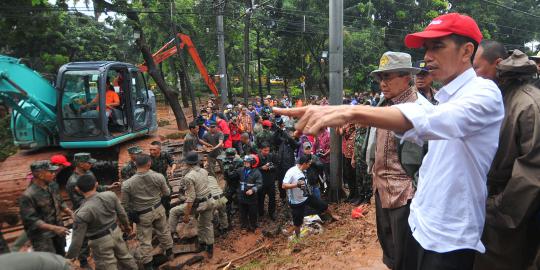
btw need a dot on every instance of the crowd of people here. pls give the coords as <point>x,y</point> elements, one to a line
<point>453,172</point>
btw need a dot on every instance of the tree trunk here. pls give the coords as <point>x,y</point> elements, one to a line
<point>183,88</point>
<point>180,82</point>
<point>246,52</point>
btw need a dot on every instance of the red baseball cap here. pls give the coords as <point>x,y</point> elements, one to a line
<point>60,160</point>
<point>444,25</point>
<point>267,123</point>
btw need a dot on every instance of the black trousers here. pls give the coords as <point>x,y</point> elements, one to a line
<point>392,230</point>
<point>349,173</point>
<point>269,190</point>
<point>282,192</point>
<point>166,202</point>
<point>420,259</point>
<point>248,215</point>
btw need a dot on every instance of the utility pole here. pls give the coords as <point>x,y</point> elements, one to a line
<point>259,64</point>
<point>221,51</point>
<point>336,94</point>
<point>183,62</point>
<point>247,19</point>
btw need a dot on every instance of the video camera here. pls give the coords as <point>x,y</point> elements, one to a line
<point>306,189</point>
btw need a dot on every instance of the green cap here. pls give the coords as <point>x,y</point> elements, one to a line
<point>83,157</point>
<point>42,165</point>
<point>230,152</point>
<point>135,150</point>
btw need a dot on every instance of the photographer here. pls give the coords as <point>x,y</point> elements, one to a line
<point>315,172</point>
<point>299,193</point>
<point>267,166</point>
<point>231,164</point>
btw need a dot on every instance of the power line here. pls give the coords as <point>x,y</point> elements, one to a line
<point>510,8</point>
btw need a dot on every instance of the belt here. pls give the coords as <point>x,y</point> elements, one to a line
<point>103,233</point>
<point>149,209</point>
<point>203,199</point>
<point>217,197</point>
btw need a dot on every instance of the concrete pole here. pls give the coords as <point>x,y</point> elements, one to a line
<point>336,95</point>
<point>221,52</point>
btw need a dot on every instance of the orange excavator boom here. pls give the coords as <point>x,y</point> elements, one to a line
<point>185,41</point>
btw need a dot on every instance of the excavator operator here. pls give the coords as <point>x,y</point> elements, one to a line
<point>112,100</point>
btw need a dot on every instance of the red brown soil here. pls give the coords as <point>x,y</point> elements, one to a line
<point>345,244</point>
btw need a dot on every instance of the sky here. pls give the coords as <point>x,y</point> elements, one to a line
<point>82,8</point>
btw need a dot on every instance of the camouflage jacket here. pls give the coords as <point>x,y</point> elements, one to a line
<point>161,163</point>
<point>39,206</point>
<point>128,170</point>
<point>264,136</point>
<point>75,197</point>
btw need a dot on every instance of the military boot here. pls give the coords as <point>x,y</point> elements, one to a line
<point>210,251</point>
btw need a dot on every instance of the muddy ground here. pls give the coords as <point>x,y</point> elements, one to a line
<point>345,244</point>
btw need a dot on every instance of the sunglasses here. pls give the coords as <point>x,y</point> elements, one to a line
<point>212,126</point>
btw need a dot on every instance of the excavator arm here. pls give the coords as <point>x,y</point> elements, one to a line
<point>185,41</point>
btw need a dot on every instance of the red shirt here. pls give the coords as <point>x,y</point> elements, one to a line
<point>224,128</point>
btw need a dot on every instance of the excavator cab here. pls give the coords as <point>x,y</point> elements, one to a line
<point>101,104</point>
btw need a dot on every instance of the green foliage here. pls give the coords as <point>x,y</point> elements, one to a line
<point>296,92</point>
<point>6,140</point>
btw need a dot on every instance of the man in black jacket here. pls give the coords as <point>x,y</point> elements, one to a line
<point>267,166</point>
<point>250,182</point>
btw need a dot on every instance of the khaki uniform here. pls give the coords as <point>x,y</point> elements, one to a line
<point>220,202</point>
<point>33,260</point>
<point>39,206</point>
<point>96,220</point>
<point>142,194</point>
<point>76,201</point>
<point>196,191</point>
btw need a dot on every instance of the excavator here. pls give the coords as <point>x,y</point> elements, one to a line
<point>73,113</point>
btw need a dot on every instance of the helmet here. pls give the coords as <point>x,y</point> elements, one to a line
<point>252,159</point>
<point>230,152</point>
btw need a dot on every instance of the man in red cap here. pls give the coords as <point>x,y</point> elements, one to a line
<point>265,135</point>
<point>447,213</point>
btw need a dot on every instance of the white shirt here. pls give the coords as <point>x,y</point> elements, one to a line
<point>296,195</point>
<point>448,209</point>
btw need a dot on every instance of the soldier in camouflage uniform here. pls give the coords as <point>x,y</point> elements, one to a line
<point>231,164</point>
<point>8,214</point>
<point>265,136</point>
<point>130,168</point>
<point>141,197</point>
<point>161,162</point>
<point>40,208</point>
<point>83,163</point>
<point>198,201</point>
<point>96,221</point>
<point>365,182</point>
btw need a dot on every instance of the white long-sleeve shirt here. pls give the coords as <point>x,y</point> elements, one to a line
<point>448,209</point>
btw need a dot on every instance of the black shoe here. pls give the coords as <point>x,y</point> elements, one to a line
<point>148,266</point>
<point>210,251</point>
<point>273,217</point>
<point>169,254</point>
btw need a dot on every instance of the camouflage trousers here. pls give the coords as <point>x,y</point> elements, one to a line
<point>204,218</point>
<point>153,221</point>
<point>55,244</point>
<point>110,252</point>
<point>220,208</point>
